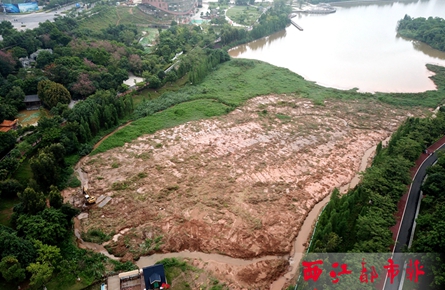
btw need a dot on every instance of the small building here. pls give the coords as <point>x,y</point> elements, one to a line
<point>34,55</point>
<point>32,102</point>
<point>27,62</point>
<point>7,125</point>
<point>154,276</point>
<point>131,280</point>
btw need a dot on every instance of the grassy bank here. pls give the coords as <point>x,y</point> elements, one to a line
<point>245,15</point>
<point>238,80</point>
<point>111,15</point>
<point>179,114</point>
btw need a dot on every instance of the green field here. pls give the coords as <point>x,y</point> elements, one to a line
<point>238,80</point>
<point>245,15</point>
<point>6,206</point>
<point>103,16</point>
<point>179,114</point>
<point>149,37</point>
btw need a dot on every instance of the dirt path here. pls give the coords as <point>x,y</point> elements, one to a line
<point>108,135</point>
<point>118,17</point>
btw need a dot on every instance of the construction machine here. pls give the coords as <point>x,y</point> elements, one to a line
<point>89,199</point>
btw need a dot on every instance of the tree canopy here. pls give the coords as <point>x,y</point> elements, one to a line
<point>52,93</point>
<point>430,30</point>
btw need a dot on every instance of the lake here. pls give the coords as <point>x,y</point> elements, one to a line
<point>355,47</point>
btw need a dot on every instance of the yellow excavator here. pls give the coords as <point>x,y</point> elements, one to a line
<point>89,199</point>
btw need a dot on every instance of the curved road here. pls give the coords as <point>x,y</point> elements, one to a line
<point>408,218</point>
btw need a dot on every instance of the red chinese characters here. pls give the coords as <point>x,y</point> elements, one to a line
<point>414,271</point>
<point>311,270</point>
<point>344,271</point>
<point>364,275</point>
<point>392,270</point>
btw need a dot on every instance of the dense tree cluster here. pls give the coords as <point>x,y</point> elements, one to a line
<point>275,19</point>
<point>51,93</point>
<point>81,61</point>
<point>431,30</point>
<point>360,220</point>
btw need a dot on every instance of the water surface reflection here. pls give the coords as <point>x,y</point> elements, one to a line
<point>355,47</point>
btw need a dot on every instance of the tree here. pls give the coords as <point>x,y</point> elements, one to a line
<point>408,148</point>
<point>127,36</point>
<point>7,112</point>
<point>83,87</point>
<point>135,63</point>
<point>9,188</point>
<point>11,269</point>
<point>15,97</point>
<point>7,141</point>
<point>45,58</point>
<point>32,202</point>
<point>41,274</point>
<point>55,198</point>
<point>7,63</point>
<point>49,226</point>
<point>9,163</point>
<point>48,254</point>
<point>45,169</point>
<point>52,93</point>
<point>154,82</point>
<point>6,28</point>
<point>12,245</point>
<point>19,52</point>
<point>171,76</point>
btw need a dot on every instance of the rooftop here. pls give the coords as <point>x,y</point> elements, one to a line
<point>31,98</point>
<point>7,125</point>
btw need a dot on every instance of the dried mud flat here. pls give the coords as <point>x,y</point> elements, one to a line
<point>239,185</point>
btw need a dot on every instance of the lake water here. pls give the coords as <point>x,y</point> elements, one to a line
<point>356,47</point>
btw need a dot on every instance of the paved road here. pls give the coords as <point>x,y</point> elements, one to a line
<point>32,20</point>
<point>407,223</point>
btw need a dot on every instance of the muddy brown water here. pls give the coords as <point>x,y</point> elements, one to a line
<point>355,47</point>
<point>294,257</point>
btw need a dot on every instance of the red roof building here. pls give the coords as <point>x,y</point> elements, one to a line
<point>7,125</point>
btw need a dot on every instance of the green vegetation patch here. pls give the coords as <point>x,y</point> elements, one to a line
<point>6,206</point>
<point>23,173</point>
<point>430,31</point>
<point>179,114</point>
<point>245,15</point>
<point>183,276</point>
<point>96,236</point>
<point>104,16</point>
<point>239,80</point>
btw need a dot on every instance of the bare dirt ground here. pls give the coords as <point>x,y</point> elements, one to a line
<point>239,185</point>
